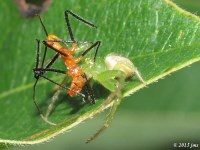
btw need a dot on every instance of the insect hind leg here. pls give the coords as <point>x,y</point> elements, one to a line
<point>67,13</point>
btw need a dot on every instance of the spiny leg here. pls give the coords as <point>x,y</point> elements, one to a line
<point>40,71</point>
<point>51,62</point>
<point>69,41</point>
<point>44,56</point>
<point>53,48</point>
<point>97,43</point>
<point>67,13</point>
<point>34,101</point>
<point>36,75</point>
<point>89,90</point>
<point>37,54</point>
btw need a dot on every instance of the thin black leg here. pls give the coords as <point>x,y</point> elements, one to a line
<point>44,56</point>
<point>95,55</point>
<point>43,70</point>
<point>67,13</point>
<point>60,41</point>
<point>62,86</point>
<point>37,54</point>
<point>93,45</point>
<point>69,41</point>
<point>34,101</point>
<point>49,64</point>
<point>97,43</point>
<point>45,43</point>
<point>39,71</point>
<point>38,74</point>
<point>89,90</point>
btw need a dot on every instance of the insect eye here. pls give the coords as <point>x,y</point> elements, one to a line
<point>115,62</point>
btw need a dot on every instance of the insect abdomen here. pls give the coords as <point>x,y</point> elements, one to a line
<point>76,86</point>
<point>78,80</point>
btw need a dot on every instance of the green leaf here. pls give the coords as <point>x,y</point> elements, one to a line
<point>156,35</point>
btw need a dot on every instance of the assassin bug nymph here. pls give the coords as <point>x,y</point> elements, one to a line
<point>79,78</point>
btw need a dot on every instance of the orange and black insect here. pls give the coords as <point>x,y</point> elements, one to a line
<point>53,42</point>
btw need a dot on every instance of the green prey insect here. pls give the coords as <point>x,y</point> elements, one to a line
<point>112,74</point>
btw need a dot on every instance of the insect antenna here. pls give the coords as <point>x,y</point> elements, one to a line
<point>44,28</point>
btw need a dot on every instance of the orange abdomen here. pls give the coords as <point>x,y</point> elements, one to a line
<point>76,85</point>
<point>78,80</point>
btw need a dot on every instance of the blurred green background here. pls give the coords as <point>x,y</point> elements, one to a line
<point>155,117</point>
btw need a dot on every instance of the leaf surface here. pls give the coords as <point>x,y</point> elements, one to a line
<point>156,35</point>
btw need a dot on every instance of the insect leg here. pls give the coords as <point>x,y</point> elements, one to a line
<point>67,13</point>
<point>69,41</point>
<point>36,75</point>
<point>51,106</point>
<point>89,90</point>
<point>49,64</point>
<point>37,54</point>
<point>61,53</point>
<point>54,99</point>
<point>39,71</point>
<point>97,43</point>
<point>44,56</point>
<point>34,101</point>
<point>43,70</point>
